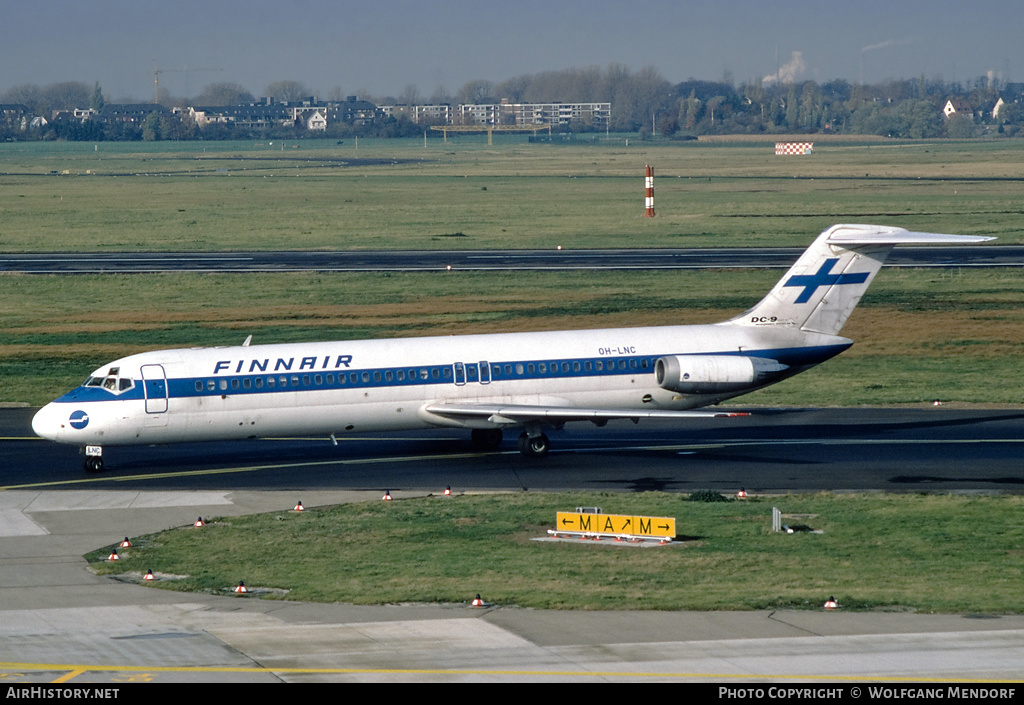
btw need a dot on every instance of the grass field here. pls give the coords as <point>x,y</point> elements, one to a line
<point>909,552</point>
<point>400,194</point>
<point>920,334</point>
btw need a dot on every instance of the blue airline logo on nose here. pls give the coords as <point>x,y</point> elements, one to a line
<point>79,419</point>
<point>811,282</point>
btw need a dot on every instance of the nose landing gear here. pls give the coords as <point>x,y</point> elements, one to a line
<point>93,459</point>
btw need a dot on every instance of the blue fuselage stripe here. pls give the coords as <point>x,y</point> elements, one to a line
<point>453,374</point>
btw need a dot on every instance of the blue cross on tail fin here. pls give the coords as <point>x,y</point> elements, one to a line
<point>820,291</point>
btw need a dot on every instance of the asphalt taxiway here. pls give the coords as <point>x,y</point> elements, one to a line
<point>61,623</point>
<point>477,260</point>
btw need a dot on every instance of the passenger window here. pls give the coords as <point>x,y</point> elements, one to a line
<point>247,383</point>
<point>199,385</point>
<point>234,383</point>
<point>212,385</point>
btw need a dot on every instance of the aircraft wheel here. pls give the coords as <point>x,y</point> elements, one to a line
<point>486,438</point>
<point>534,447</point>
<point>93,464</point>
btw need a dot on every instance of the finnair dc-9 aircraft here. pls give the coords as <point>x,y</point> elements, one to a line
<point>485,383</point>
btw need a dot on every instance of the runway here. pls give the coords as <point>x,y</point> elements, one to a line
<point>60,623</point>
<point>475,260</point>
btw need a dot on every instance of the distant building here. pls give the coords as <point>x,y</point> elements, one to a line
<point>957,106</point>
<point>551,114</point>
<point>131,113</point>
<point>316,122</point>
<point>15,116</point>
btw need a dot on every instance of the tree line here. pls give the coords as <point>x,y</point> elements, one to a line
<point>641,101</point>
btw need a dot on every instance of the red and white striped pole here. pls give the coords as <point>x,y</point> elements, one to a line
<point>649,193</point>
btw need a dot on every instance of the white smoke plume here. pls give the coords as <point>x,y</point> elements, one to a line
<point>886,44</point>
<point>787,73</point>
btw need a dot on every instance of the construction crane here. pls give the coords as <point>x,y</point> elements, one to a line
<point>156,78</point>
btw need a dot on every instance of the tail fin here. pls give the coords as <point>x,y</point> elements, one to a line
<point>820,291</point>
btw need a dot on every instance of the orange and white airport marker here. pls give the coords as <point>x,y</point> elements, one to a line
<point>649,193</point>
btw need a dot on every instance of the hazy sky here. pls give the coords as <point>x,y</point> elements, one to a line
<point>384,45</point>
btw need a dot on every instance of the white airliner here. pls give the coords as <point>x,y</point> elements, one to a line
<point>486,383</point>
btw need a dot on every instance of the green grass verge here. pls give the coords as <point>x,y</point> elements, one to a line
<point>943,553</point>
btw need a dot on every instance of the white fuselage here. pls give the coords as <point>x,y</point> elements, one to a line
<point>370,385</point>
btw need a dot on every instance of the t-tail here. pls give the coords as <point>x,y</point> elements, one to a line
<point>820,291</point>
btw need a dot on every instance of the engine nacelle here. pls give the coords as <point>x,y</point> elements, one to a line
<point>713,374</point>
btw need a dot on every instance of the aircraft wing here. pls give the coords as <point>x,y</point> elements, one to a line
<point>524,413</point>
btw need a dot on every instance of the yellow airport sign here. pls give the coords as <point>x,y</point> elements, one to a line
<point>616,524</point>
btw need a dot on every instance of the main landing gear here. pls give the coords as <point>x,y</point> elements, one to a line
<point>531,444</point>
<point>486,438</point>
<point>536,446</point>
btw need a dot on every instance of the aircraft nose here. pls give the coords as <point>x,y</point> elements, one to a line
<point>48,422</point>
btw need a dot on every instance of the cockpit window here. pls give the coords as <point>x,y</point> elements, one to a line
<point>112,382</point>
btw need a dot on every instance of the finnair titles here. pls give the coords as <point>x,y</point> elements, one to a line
<point>486,384</point>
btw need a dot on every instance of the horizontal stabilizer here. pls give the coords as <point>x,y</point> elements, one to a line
<point>861,235</point>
